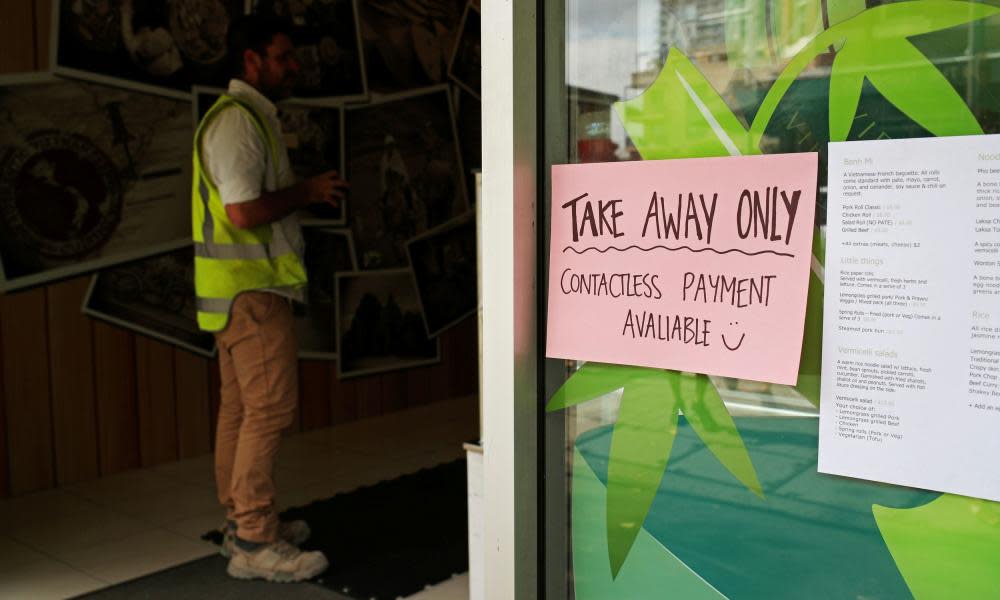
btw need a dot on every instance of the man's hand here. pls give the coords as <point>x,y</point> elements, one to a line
<point>326,188</point>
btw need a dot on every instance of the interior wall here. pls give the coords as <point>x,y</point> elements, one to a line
<point>82,399</point>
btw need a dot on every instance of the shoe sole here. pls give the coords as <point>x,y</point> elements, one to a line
<point>280,577</point>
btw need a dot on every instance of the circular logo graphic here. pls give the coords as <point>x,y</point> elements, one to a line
<point>199,27</point>
<point>60,194</point>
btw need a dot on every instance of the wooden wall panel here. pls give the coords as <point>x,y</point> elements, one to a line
<point>26,391</point>
<point>43,26</point>
<point>74,421</point>
<point>314,393</point>
<point>369,396</point>
<point>437,377</point>
<point>157,405</point>
<point>117,410</point>
<point>394,391</point>
<point>463,359</point>
<point>17,37</point>
<point>194,418</point>
<point>343,399</point>
<point>27,464</point>
<point>4,472</point>
<point>417,386</point>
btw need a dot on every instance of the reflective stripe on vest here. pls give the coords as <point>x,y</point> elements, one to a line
<point>213,305</point>
<point>229,260</point>
<point>278,246</point>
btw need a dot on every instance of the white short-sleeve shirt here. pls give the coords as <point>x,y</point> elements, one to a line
<point>240,164</point>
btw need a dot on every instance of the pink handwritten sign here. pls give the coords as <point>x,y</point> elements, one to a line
<point>698,265</point>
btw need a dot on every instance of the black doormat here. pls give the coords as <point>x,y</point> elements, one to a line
<point>206,578</point>
<point>386,541</point>
<point>394,538</point>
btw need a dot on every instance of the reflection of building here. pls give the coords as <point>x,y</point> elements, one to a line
<point>697,27</point>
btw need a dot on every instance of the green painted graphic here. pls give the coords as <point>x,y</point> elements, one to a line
<point>874,45</point>
<point>884,75</point>
<point>644,435</point>
<point>949,548</point>
<point>812,536</point>
<point>651,568</point>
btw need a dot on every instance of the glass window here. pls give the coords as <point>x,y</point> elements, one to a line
<point>731,505</point>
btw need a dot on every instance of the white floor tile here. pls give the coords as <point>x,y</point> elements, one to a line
<point>196,471</point>
<point>456,588</point>
<point>137,555</point>
<point>112,490</point>
<point>14,555</point>
<point>39,506</point>
<point>45,579</point>
<point>58,534</point>
<point>170,505</point>
<point>195,527</point>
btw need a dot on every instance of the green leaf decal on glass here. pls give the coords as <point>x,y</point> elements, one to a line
<point>949,548</point>
<point>838,11</point>
<point>707,414</point>
<point>643,438</point>
<point>651,567</point>
<point>640,447</point>
<point>811,359</point>
<point>905,78</point>
<point>593,380</point>
<point>681,116</point>
<point>845,94</point>
<point>879,37</point>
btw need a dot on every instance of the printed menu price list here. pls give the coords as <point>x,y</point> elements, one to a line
<point>911,344</point>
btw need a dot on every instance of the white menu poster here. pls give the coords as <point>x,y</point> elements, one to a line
<point>911,332</point>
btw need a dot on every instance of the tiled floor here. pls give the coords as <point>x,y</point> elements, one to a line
<point>84,537</point>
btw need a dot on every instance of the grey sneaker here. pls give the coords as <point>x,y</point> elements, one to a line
<point>294,532</point>
<point>279,562</point>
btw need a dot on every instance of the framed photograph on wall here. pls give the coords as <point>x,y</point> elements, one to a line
<point>328,252</point>
<point>327,38</point>
<point>314,137</point>
<point>466,67</point>
<point>153,296</point>
<point>155,46</point>
<point>408,43</point>
<point>90,176</point>
<point>379,327</point>
<point>405,172</point>
<point>443,262</point>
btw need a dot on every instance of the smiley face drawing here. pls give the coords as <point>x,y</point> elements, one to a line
<point>738,344</point>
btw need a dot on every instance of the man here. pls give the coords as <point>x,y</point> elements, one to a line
<point>248,266</point>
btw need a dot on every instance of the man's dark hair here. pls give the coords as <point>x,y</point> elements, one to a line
<point>252,32</point>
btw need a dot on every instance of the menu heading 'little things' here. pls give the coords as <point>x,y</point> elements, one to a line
<point>697,265</point>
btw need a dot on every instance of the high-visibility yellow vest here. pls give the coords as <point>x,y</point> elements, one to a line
<point>229,260</point>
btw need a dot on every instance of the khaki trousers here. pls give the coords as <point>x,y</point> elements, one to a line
<point>258,367</point>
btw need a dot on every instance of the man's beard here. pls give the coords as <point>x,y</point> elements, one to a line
<point>275,89</point>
